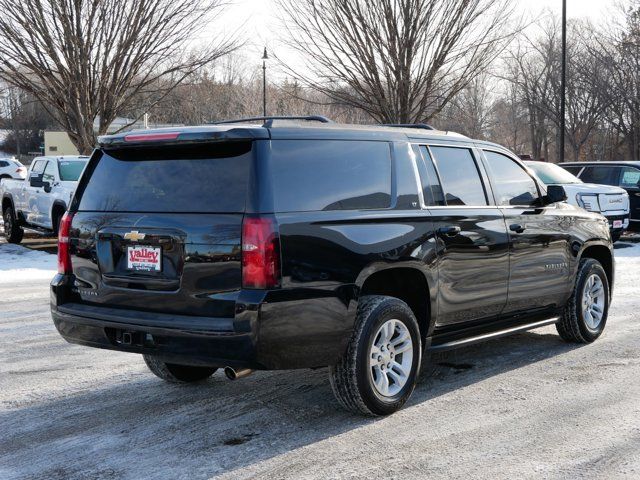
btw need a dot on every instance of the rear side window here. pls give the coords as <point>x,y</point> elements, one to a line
<point>512,185</point>
<point>605,175</point>
<point>3,164</point>
<point>70,171</point>
<point>431,189</point>
<point>184,178</point>
<point>312,175</point>
<point>459,175</point>
<point>630,177</point>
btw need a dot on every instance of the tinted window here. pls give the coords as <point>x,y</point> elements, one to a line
<point>311,175</point>
<point>50,172</point>
<point>459,175</point>
<point>512,185</point>
<point>3,164</point>
<point>70,171</point>
<point>189,178</point>
<point>573,170</point>
<point>38,167</point>
<point>431,189</point>
<point>605,175</point>
<point>407,187</point>
<point>630,177</point>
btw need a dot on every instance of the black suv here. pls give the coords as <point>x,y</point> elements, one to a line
<point>303,244</point>
<point>623,174</point>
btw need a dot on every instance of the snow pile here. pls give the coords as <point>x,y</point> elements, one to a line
<point>19,264</point>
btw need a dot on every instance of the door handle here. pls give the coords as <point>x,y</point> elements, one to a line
<point>450,231</point>
<point>516,227</point>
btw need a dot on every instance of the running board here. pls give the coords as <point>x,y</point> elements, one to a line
<point>463,342</point>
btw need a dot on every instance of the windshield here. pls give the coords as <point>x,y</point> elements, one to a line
<point>70,170</point>
<point>552,174</point>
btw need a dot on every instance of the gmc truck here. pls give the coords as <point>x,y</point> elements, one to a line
<point>39,201</point>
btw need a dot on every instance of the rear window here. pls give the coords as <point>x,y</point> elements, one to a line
<point>209,178</point>
<point>311,175</point>
<point>70,171</point>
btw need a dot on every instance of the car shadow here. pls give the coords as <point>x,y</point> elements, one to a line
<point>146,428</point>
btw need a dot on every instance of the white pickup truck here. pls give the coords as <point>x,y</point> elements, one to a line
<point>40,200</point>
<point>610,201</point>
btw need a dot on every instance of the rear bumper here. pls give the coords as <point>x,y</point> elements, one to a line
<point>269,330</point>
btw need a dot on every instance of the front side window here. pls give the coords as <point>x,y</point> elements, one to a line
<point>313,175</point>
<point>571,169</point>
<point>50,172</point>
<point>604,175</point>
<point>38,167</point>
<point>512,185</point>
<point>461,181</point>
<point>630,177</point>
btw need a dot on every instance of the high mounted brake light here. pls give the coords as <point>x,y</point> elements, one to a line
<point>260,252</point>
<point>151,137</point>
<point>64,255</point>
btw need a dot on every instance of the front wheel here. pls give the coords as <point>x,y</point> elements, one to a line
<point>585,315</point>
<point>174,373</point>
<point>12,231</point>
<point>378,372</point>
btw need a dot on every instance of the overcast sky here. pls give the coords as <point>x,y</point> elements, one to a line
<point>256,20</point>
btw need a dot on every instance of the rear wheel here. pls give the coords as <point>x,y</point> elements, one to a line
<point>378,372</point>
<point>174,373</point>
<point>585,316</point>
<point>12,231</point>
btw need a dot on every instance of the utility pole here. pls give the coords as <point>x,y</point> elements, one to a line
<point>563,78</point>
<point>265,57</point>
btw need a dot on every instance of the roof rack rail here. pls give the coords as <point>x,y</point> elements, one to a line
<point>424,126</point>
<point>268,121</point>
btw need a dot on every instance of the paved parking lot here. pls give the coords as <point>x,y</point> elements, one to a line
<point>528,406</point>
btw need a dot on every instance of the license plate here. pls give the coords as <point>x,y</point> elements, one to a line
<point>144,259</point>
<point>617,224</point>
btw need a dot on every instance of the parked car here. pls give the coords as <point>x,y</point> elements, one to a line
<point>610,201</point>
<point>301,245</point>
<point>11,168</point>
<point>620,174</point>
<point>39,200</point>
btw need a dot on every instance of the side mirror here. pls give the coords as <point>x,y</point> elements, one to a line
<point>46,186</point>
<point>555,193</point>
<point>35,180</point>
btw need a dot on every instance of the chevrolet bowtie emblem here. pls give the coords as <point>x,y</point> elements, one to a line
<point>134,236</point>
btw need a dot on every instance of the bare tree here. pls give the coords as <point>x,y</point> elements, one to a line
<point>397,60</point>
<point>87,60</point>
<point>617,52</point>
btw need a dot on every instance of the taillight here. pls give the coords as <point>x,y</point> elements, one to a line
<point>64,256</point>
<point>260,252</point>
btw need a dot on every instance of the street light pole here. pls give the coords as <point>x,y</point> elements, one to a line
<point>563,78</point>
<point>265,57</point>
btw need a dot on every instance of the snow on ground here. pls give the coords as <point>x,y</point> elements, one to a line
<point>19,264</point>
<point>525,406</point>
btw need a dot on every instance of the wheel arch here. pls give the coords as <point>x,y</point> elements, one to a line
<point>407,283</point>
<point>7,200</point>
<point>58,207</point>
<point>601,252</point>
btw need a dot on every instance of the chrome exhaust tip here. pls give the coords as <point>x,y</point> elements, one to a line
<point>233,374</point>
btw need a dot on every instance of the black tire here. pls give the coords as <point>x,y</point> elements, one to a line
<point>351,379</point>
<point>12,231</point>
<point>616,236</point>
<point>572,326</point>
<point>173,373</point>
